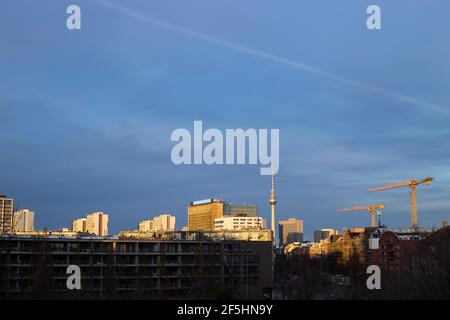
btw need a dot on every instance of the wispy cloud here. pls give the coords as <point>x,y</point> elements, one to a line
<point>278,59</point>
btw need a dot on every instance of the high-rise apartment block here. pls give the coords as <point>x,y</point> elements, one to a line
<point>146,226</point>
<point>24,220</point>
<point>79,225</point>
<point>163,222</point>
<point>290,231</point>
<point>6,214</point>
<point>97,223</point>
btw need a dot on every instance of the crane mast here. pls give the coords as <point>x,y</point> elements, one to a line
<point>412,184</point>
<point>370,208</point>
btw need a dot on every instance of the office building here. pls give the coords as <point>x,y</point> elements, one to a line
<point>240,210</point>
<point>290,231</point>
<point>24,220</point>
<point>238,223</point>
<point>97,223</point>
<point>6,214</point>
<point>322,234</point>
<point>163,222</point>
<point>201,214</point>
<point>79,225</point>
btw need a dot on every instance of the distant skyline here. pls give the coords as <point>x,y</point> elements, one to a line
<point>87,114</point>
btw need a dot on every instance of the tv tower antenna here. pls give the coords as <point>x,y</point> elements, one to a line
<point>273,202</point>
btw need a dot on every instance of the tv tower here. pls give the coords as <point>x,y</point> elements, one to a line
<point>273,202</point>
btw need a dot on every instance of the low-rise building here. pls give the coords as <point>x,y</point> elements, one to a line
<point>353,243</point>
<point>397,247</point>
<point>390,249</point>
<point>322,234</point>
<point>296,249</point>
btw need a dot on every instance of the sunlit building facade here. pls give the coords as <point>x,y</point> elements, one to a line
<point>6,214</point>
<point>238,223</point>
<point>322,234</point>
<point>201,214</point>
<point>353,243</point>
<point>97,223</point>
<point>163,222</point>
<point>79,225</point>
<point>24,220</point>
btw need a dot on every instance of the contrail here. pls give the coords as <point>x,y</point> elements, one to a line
<point>274,58</point>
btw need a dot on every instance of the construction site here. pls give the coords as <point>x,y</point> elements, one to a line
<point>367,243</point>
<point>415,260</point>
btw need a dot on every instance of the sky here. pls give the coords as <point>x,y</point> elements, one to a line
<point>86,115</point>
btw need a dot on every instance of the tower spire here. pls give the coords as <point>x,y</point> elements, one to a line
<point>273,202</point>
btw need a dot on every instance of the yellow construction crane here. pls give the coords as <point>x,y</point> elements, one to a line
<point>412,184</point>
<point>370,208</point>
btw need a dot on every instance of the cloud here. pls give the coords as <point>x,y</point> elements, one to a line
<point>406,99</point>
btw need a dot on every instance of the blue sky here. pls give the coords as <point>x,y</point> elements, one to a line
<point>86,115</point>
